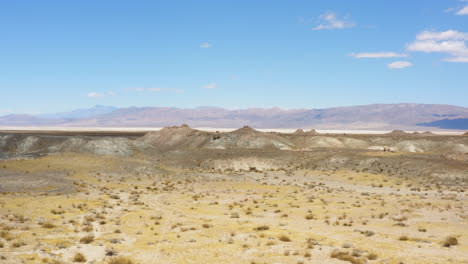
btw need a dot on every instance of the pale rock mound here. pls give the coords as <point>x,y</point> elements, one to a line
<point>299,132</point>
<point>249,138</point>
<point>397,133</point>
<point>182,137</point>
<point>312,132</point>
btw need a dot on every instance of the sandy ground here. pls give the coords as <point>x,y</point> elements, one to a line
<point>186,196</point>
<point>152,213</point>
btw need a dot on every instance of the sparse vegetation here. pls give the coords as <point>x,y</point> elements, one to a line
<point>120,260</point>
<point>87,239</point>
<point>450,241</point>
<point>345,256</point>
<point>306,211</point>
<point>79,258</point>
<point>284,238</point>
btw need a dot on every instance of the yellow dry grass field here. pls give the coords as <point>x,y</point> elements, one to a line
<point>134,210</point>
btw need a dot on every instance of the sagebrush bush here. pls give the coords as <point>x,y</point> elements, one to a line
<point>120,260</point>
<point>284,238</point>
<point>345,256</point>
<point>450,241</point>
<point>87,239</point>
<point>79,258</point>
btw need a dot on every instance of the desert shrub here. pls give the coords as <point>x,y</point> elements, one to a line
<point>372,256</point>
<point>309,217</point>
<point>206,225</point>
<point>87,239</point>
<point>284,238</point>
<point>79,258</point>
<point>120,260</point>
<point>47,225</point>
<point>6,235</point>
<point>345,256</point>
<point>18,244</point>
<point>262,228</point>
<point>234,215</point>
<point>403,238</point>
<point>450,241</point>
<point>87,229</point>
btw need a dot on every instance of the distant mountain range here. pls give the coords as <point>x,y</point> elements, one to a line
<point>369,117</point>
<point>81,113</point>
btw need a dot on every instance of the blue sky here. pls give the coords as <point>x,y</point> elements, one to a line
<point>63,55</point>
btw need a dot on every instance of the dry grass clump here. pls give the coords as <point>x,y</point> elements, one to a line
<point>450,241</point>
<point>87,239</point>
<point>284,238</point>
<point>345,256</point>
<point>18,244</point>
<point>261,228</point>
<point>120,260</point>
<point>6,235</point>
<point>48,225</point>
<point>87,229</point>
<point>403,238</point>
<point>79,258</point>
<point>309,217</point>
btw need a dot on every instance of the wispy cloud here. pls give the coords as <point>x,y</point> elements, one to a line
<point>331,20</point>
<point>206,45</point>
<point>463,11</point>
<point>212,85</point>
<point>5,112</point>
<point>100,95</point>
<point>95,95</point>
<point>399,65</point>
<point>444,35</point>
<point>373,55</point>
<point>450,42</point>
<point>459,10</point>
<point>456,59</point>
<point>155,90</point>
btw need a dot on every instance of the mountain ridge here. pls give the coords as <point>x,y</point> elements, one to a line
<point>374,116</point>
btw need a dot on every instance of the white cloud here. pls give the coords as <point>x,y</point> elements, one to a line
<point>155,90</point>
<point>463,11</point>
<point>449,42</point>
<point>212,85</point>
<point>205,45</point>
<point>331,21</point>
<point>95,95</point>
<point>373,55</point>
<point>444,35</point>
<point>430,46</point>
<point>100,95</point>
<point>457,59</point>
<point>399,65</point>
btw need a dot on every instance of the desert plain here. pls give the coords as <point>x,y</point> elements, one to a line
<point>181,195</point>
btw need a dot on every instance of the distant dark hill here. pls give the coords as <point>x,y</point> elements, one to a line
<point>458,123</point>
